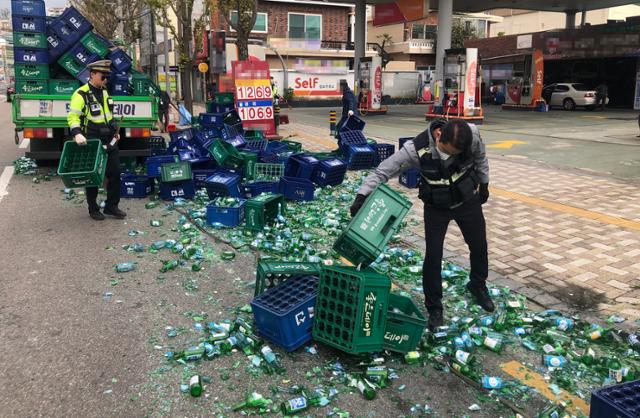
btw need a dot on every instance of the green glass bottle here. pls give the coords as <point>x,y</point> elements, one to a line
<point>299,404</point>
<point>195,385</point>
<point>500,321</point>
<point>492,344</point>
<point>169,265</point>
<point>366,388</point>
<point>271,359</point>
<point>254,400</point>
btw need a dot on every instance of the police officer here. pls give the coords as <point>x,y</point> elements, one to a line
<point>90,116</point>
<point>349,104</point>
<point>454,183</point>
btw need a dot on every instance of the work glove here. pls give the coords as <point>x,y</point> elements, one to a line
<point>483,193</point>
<point>357,204</point>
<point>351,113</point>
<point>80,139</point>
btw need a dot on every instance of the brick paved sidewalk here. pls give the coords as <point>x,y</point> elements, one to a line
<point>568,237</point>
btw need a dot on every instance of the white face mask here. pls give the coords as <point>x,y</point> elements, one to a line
<point>443,155</point>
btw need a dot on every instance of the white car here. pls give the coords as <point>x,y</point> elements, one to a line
<point>570,95</point>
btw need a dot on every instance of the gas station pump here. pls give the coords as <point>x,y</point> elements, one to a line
<point>524,89</point>
<point>459,90</point>
<point>370,88</point>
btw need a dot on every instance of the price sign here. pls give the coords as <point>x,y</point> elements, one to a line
<point>254,97</point>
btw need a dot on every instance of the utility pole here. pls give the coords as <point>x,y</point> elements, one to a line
<point>167,83</point>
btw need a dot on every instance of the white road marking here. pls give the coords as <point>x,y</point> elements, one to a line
<point>7,173</point>
<point>25,143</point>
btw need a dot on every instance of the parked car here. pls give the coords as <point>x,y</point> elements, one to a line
<point>570,95</point>
<point>11,90</point>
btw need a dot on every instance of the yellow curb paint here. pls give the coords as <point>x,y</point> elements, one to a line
<point>594,117</point>
<point>572,210</point>
<point>506,144</point>
<point>535,380</point>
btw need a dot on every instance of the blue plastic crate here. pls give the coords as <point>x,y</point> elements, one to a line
<point>619,401</point>
<point>256,188</point>
<point>402,140</point>
<point>329,172</point>
<point>360,157</point>
<point>154,164</point>
<point>182,134</point>
<point>64,31</point>
<point>227,216</point>
<point>119,60</point>
<point>410,178</point>
<point>284,314</point>
<point>223,183</point>
<point>55,45</point>
<point>232,119</point>
<point>233,136</point>
<point>301,166</point>
<point>353,123</point>
<point>182,189</point>
<point>200,176</point>
<point>211,119</point>
<point>157,145</point>
<point>30,56</point>
<point>347,138</point>
<point>83,56</point>
<point>119,88</point>
<point>135,185</point>
<point>74,19</point>
<point>257,144</point>
<point>296,188</point>
<point>223,108</point>
<point>276,147</point>
<point>383,151</point>
<point>177,145</point>
<point>83,76</point>
<point>28,8</point>
<point>34,24</point>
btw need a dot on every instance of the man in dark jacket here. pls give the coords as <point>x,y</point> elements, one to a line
<point>454,183</point>
<point>349,104</point>
<point>163,109</point>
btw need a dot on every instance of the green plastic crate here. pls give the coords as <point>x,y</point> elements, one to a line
<point>272,273</point>
<point>128,163</point>
<point>250,159</point>
<point>94,44</point>
<point>351,309</point>
<point>223,98</point>
<point>83,165</point>
<point>262,210</point>
<point>267,172</point>
<point>32,86</point>
<point>63,87</point>
<point>31,71</point>
<point>405,324</point>
<point>172,172</point>
<point>370,230</point>
<point>253,135</point>
<point>226,154</point>
<point>142,85</point>
<point>293,145</point>
<point>69,63</point>
<point>29,40</point>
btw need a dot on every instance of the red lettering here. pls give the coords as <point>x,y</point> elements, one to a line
<point>298,83</point>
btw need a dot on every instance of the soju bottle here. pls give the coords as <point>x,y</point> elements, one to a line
<point>125,267</point>
<point>614,368</point>
<point>492,344</point>
<point>271,359</point>
<point>500,321</point>
<point>168,265</point>
<point>195,385</point>
<point>465,370</point>
<point>366,389</point>
<point>242,326</point>
<point>299,404</point>
<point>193,353</point>
<point>255,400</point>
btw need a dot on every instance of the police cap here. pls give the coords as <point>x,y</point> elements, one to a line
<point>103,66</point>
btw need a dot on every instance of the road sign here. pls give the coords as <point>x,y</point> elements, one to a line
<point>203,67</point>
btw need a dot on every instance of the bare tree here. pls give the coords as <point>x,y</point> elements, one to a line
<point>183,32</point>
<point>247,14</point>
<point>105,15</point>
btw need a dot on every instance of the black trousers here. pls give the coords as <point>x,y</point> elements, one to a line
<point>112,176</point>
<point>163,115</point>
<point>470,219</point>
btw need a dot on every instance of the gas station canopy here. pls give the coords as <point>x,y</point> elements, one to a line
<point>473,6</point>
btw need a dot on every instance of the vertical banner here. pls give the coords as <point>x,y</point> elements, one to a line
<point>636,101</point>
<point>376,82</point>
<point>538,74</point>
<point>471,77</point>
<point>254,98</point>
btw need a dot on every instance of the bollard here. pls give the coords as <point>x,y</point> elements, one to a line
<point>332,122</point>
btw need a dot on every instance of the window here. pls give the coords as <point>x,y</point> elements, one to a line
<point>305,26</point>
<point>581,87</point>
<point>261,21</point>
<point>422,31</point>
<point>561,89</point>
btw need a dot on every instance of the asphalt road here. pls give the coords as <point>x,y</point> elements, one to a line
<point>605,142</point>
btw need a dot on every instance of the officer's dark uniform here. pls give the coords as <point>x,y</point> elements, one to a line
<point>451,189</point>
<point>90,113</point>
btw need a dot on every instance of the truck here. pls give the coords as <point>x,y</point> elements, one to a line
<point>42,118</point>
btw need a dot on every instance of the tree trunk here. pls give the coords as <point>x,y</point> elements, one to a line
<point>243,46</point>
<point>186,90</point>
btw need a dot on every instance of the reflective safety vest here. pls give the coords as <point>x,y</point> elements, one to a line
<point>444,187</point>
<point>87,113</point>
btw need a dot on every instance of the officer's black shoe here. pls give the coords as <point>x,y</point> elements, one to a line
<point>115,212</point>
<point>96,216</point>
<point>481,295</point>
<point>436,319</point>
